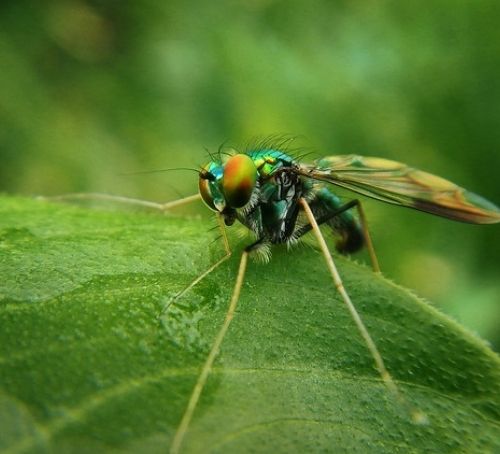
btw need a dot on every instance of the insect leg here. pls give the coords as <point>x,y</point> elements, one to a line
<point>206,272</point>
<point>207,367</point>
<point>368,238</point>
<point>126,200</point>
<point>325,218</point>
<point>377,357</point>
<point>366,233</point>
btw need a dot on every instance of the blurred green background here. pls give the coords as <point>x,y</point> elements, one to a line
<point>91,89</point>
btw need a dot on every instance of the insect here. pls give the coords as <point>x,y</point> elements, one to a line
<point>280,199</point>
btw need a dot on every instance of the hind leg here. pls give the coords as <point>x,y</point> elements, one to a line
<point>416,415</point>
<point>330,208</point>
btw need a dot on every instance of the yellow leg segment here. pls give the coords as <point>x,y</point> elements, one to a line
<point>207,367</point>
<point>125,200</point>
<point>417,416</point>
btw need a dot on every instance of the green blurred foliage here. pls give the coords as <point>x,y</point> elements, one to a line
<point>90,90</point>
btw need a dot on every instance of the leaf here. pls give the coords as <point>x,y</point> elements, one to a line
<point>85,365</point>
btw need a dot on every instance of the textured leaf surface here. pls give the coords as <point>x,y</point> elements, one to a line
<point>85,366</point>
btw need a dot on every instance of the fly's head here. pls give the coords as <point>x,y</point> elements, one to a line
<point>227,186</point>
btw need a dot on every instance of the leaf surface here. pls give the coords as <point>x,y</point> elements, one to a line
<point>86,366</point>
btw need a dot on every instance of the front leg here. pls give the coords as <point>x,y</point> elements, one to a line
<point>185,422</point>
<point>98,196</point>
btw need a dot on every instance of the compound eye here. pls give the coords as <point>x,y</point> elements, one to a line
<point>206,194</point>
<point>238,182</point>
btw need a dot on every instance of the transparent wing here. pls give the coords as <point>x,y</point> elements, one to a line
<point>396,183</point>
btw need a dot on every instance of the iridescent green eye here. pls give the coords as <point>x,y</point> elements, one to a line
<point>204,188</point>
<point>238,182</point>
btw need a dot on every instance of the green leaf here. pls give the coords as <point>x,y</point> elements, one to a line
<point>85,365</point>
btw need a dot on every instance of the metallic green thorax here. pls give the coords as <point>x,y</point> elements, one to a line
<point>273,212</point>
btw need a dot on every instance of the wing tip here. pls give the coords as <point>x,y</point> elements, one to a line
<point>488,212</point>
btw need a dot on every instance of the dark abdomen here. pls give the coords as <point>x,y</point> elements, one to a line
<point>345,226</point>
